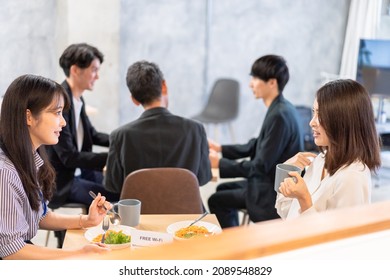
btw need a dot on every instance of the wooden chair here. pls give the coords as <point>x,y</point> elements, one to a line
<point>164,191</point>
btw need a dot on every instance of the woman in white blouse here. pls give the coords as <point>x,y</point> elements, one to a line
<point>339,176</point>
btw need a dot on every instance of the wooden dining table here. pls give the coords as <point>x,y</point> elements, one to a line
<point>75,238</point>
<point>265,239</point>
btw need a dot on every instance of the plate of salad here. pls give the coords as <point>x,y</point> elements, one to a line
<point>117,236</point>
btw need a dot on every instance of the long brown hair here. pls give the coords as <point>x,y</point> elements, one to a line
<point>34,93</point>
<point>346,114</point>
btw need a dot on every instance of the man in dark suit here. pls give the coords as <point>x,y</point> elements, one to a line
<point>280,138</point>
<point>157,138</point>
<point>78,169</point>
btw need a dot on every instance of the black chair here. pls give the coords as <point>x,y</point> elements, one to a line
<point>385,138</point>
<point>385,158</point>
<point>245,217</point>
<point>305,115</point>
<point>223,104</point>
<point>60,234</point>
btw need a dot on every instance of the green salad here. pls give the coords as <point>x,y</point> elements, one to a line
<point>113,237</point>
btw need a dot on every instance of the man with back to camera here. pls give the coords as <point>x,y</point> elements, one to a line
<point>157,138</point>
<point>78,169</point>
<point>280,138</point>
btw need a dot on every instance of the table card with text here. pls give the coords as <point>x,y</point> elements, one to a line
<point>144,238</point>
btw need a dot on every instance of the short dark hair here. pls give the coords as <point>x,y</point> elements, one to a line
<point>345,112</point>
<point>271,67</point>
<point>144,80</point>
<point>81,55</point>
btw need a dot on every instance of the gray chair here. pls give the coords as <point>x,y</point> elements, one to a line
<point>164,191</point>
<point>222,106</point>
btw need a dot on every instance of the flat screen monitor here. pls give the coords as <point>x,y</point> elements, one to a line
<point>373,71</point>
<point>373,67</point>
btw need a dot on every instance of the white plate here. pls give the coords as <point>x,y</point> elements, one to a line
<point>91,233</point>
<point>172,228</point>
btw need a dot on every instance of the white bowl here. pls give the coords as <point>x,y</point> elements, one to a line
<point>172,228</point>
<point>91,233</point>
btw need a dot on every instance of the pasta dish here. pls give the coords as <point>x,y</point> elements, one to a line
<point>192,231</point>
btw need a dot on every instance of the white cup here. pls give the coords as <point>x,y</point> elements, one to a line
<point>129,210</point>
<point>281,173</point>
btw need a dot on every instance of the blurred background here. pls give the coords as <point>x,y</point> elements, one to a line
<point>195,42</point>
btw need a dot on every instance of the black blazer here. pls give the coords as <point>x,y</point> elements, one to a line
<point>157,139</point>
<point>65,156</point>
<point>280,138</point>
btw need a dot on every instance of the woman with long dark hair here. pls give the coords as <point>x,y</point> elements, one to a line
<point>344,129</point>
<point>31,117</point>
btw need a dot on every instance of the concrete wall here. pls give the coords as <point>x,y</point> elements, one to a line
<point>189,39</point>
<point>27,42</point>
<point>97,23</point>
<point>194,42</point>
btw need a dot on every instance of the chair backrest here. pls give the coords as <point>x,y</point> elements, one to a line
<point>305,115</point>
<point>164,191</point>
<point>223,102</point>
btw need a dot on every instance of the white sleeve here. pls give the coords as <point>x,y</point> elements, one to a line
<point>282,205</point>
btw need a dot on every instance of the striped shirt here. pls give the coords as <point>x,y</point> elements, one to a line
<point>18,222</point>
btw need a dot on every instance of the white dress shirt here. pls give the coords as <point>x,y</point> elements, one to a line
<point>78,104</point>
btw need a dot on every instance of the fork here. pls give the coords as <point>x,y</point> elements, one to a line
<point>200,218</point>
<point>105,226</point>
<point>114,217</point>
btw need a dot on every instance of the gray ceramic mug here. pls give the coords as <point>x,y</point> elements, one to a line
<point>281,173</point>
<point>129,210</point>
